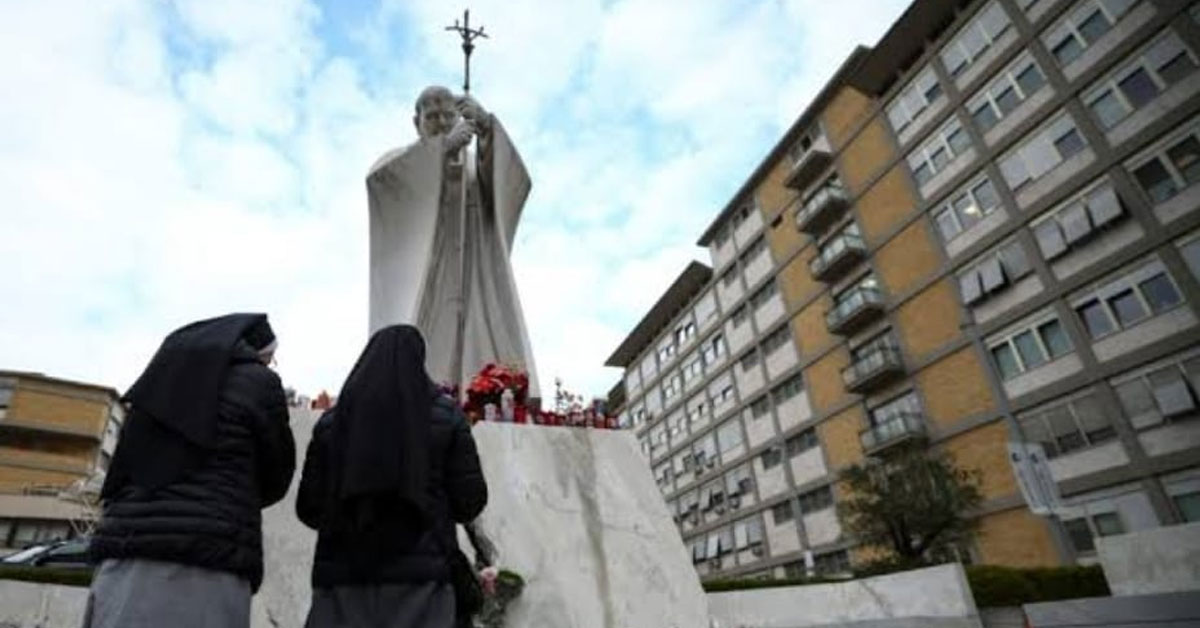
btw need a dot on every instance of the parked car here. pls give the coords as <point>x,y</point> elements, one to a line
<point>72,554</point>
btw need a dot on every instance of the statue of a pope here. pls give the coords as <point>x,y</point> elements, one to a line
<point>432,251</point>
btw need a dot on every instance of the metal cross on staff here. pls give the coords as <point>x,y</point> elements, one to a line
<point>468,44</point>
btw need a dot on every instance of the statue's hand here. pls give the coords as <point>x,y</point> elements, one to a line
<point>472,111</point>
<point>459,136</point>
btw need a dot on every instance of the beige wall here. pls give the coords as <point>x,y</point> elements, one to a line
<point>845,112</point>
<point>907,259</point>
<point>795,279</point>
<point>866,155</point>
<point>930,320</point>
<point>1015,538</point>
<point>889,201</point>
<point>955,387</point>
<point>839,435</point>
<point>824,379</point>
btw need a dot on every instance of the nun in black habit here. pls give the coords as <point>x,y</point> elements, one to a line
<point>388,473</point>
<point>205,448</point>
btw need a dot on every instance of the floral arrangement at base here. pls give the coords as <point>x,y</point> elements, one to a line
<point>500,393</point>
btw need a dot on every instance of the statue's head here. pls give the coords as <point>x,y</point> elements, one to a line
<point>435,111</point>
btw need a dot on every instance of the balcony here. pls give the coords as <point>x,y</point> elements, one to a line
<point>821,208</point>
<point>901,428</point>
<point>837,256</point>
<point>859,307</point>
<point>873,370</point>
<point>808,165</point>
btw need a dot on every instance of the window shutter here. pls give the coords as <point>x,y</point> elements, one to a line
<point>1104,206</point>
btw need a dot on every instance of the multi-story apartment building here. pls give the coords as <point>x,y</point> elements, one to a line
<point>984,230</point>
<point>53,433</point>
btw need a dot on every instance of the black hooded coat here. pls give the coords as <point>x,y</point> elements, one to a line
<point>388,472</point>
<point>205,448</point>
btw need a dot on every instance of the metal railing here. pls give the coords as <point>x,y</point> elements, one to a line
<point>868,367</point>
<point>840,248</point>
<point>859,300</point>
<point>893,430</point>
<point>827,199</point>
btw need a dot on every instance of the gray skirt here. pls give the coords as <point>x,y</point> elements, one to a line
<point>147,593</point>
<point>426,605</point>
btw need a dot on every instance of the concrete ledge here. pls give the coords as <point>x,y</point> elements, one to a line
<point>1159,560</point>
<point>935,596</point>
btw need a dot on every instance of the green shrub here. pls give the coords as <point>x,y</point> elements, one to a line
<point>1009,586</point>
<point>47,575</point>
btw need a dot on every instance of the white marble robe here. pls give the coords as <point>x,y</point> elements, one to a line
<point>414,220</point>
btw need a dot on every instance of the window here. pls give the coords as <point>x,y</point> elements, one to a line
<point>1084,24</point>
<point>685,332</point>
<point>713,349</point>
<point>764,294</point>
<point>759,245</point>
<point>782,512</point>
<point>832,562</point>
<point>805,143</point>
<point>1012,86</point>
<point>760,407</point>
<point>771,456</point>
<point>1069,425</point>
<point>1187,503</point>
<point>729,276</point>
<point>915,98</point>
<point>729,435</point>
<point>1073,223</point>
<point>777,339</point>
<point>1080,534</point>
<point>748,533</point>
<point>726,394</point>
<point>966,208</point>
<point>788,389</point>
<point>801,442</point>
<point>694,369</point>
<point>1042,152</point>
<point>1172,168</point>
<point>678,425</point>
<point>7,385</point>
<point>1029,348</point>
<point>673,386</point>
<point>1189,250</point>
<point>749,361</point>
<point>740,481</point>
<point>944,145</point>
<point>1127,300</point>
<point>738,318</point>
<point>1108,524</point>
<point>995,271</point>
<point>815,500</point>
<point>1165,391</point>
<point>975,38</point>
<point>1148,73</point>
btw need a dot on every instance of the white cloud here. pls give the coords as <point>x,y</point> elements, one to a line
<point>161,163</point>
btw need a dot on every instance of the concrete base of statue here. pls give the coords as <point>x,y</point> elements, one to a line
<point>574,511</point>
<point>577,514</point>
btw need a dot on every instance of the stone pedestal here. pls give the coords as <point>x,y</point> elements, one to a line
<point>577,513</point>
<point>574,511</point>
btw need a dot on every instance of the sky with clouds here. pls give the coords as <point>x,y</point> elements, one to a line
<point>162,162</point>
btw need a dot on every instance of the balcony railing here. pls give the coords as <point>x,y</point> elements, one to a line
<point>837,256</point>
<point>821,208</point>
<point>809,165</point>
<point>898,429</point>
<point>854,311</point>
<point>873,370</point>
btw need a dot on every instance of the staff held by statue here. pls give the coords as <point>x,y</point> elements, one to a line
<point>468,36</point>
